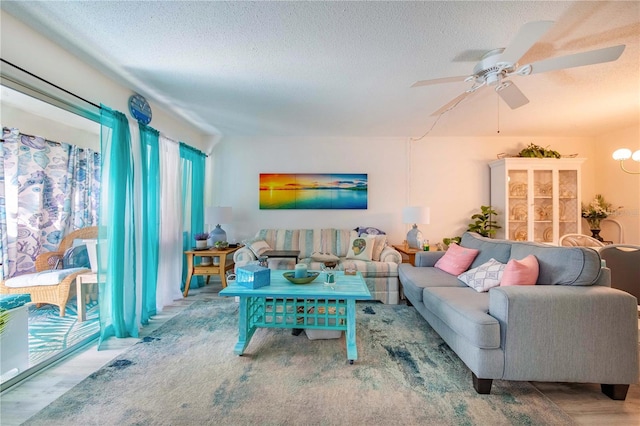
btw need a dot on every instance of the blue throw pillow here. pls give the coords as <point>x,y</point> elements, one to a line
<point>76,257</point>
<point>369,230</point>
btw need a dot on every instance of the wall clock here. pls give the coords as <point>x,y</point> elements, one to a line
<point>139,109</point>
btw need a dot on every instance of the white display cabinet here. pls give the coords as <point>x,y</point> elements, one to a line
<point>537,199</point>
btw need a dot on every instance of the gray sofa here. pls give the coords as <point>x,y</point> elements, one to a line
<point>569,327</point>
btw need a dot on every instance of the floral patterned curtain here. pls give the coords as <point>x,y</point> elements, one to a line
<point>47,189</point>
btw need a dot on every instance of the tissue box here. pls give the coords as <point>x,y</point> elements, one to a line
<point>253,276</point>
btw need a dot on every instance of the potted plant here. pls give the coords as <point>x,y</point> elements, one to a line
<point>221,244</point>
<point>450,240</point>
<point>201,239</point>
<point>594,212</point>
<point>484,224</point>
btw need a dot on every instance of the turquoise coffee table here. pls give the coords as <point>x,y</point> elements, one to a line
<point>286,305</point>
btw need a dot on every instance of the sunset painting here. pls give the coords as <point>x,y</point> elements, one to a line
<point>313,191</point>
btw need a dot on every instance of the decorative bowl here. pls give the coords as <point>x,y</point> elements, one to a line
<point>305,280</point>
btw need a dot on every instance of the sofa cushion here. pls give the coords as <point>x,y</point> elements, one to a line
<point>414,279</point>
<point>324,257</point>
<point>258,247</point>
<point>305,240</point>
<point>484,277</point>
<point>489,248</point>
<point>521,272</point>
<point>335,241</point>
<point>456,260</point>
<point>561,265</point>
<point>372,269</point>
<point>466,313</point>
<point>50,277</point>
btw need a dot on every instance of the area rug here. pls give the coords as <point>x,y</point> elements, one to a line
<point>50,334</point>
<point>185,373</point>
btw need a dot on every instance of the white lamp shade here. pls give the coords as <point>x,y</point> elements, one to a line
<point>416,215</point>
<point>636,156</point>
<point>218,215</point>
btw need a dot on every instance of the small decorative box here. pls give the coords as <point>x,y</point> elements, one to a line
<point>253,276</point>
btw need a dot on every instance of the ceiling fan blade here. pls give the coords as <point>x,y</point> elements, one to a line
<point>452,104</point>
<point>591,57</point>
<point>528,35</point>
<point>439,80</point>
<point>512,96</point>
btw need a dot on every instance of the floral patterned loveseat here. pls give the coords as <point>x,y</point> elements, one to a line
<point>380,273</point>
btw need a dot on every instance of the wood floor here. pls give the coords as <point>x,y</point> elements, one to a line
<point>583,402</point>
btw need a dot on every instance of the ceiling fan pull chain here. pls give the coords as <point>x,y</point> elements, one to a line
<point>498,105</point>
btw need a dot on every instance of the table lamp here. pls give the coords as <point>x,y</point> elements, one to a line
<point>218,215</point>
<point>415,215</point>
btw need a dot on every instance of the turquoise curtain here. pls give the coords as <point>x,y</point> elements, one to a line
<point>150,159</point>
<point>116,249</point>
<point>193,163</point>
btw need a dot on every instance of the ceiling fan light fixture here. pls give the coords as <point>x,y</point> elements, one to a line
<point>625,154</point>
<point>621,154</point>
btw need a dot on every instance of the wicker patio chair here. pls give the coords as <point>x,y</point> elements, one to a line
<point>55,294</point>
<point>579,240</point>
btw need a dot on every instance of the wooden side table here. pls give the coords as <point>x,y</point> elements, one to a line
<point>407,251</point>
<point>208,270</point>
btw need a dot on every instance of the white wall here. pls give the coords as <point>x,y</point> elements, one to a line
<point>450,175</point>
<point>617,187</point>
<point>28,49</point>
<point>239,162</point>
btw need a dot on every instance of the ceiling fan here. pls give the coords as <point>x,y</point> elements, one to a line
<point>498,65</point>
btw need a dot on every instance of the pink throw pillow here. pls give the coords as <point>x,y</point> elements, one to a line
<point>456,259</point>
<point>521,272</point>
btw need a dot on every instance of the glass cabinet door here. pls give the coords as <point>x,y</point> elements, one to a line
<point>537,199</point>
<point>568,207</point>
<point>543,206</point>
<point>518,213</point>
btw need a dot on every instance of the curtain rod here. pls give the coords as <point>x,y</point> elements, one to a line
<point>74,95</point>
<point>36,136</point>
<point>50,83</point>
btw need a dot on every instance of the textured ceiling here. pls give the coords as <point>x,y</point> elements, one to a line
<point>345,68</point>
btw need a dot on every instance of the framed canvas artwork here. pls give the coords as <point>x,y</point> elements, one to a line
<point>313,191</point>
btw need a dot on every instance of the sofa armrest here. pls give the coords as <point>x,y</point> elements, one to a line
<point>428,258</point>
<point>584,334</point>
<point>389,254</point>
<point>243,255</point>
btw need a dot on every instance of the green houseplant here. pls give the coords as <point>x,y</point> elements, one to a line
<point>484,223</point>
<point>450,240</point>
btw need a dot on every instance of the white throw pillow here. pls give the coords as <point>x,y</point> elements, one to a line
<point>380,244</point>
<point>361,247</point>
<point>485,276</point>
